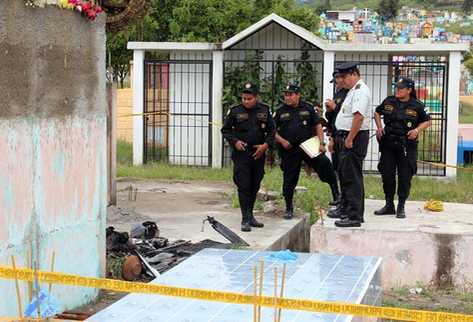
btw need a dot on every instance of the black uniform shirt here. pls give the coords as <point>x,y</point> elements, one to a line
<point>401,117</point>
<point>253,126</point>
<point>331,116</point>
<point>296,124</point>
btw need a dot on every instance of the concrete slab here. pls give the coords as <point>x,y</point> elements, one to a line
<point>426,247</point>
<point>180,207</point>
<point>343,279</point>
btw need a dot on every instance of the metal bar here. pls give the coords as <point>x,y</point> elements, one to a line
<point>210,113</point>
<point>154,110</point>
<point>145,108</point>
<point>174,61</point>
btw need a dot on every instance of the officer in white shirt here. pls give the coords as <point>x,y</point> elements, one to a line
<point>353,124</point>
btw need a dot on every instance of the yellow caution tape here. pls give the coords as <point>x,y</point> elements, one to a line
<point>443,165</point>
<point>434,205</point>
<point>160,113</point>
<point>399,314</point>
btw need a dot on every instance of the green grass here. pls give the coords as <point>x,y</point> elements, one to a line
<point>124,153</point>
<point>466,112</point>
<point>318,193</point>
<point>431,299</point>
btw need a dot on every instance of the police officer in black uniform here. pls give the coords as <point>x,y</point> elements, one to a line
<point>332,108</point>
<point>296,121</point>
<point>404,118</point>
<point>249,128</point>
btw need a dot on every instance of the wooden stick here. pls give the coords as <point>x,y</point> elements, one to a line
<point>261,276</point>
<point>53,259</point>
<point>30,283</point>
<point>37,287</point>
<point>283,283</point>
<point>255,292</point>
<point>275,293</point>
<point>17,286</point>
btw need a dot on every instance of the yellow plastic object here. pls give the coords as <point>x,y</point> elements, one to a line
<point>434,205</point>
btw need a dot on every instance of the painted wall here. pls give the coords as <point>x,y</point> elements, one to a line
<point>53,179</point>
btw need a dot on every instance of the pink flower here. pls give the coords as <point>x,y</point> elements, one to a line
<point>92,15</point>
<point>98,9</point>
<point>86,6</point>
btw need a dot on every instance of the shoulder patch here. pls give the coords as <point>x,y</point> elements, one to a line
<point>358,86</point>
<point>389,108</point>
<point>411,112</point>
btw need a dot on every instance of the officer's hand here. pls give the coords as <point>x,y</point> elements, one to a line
<point>322,149</point>
<point>240,145</point>
<point>286,144</point>
<point>379,133</point>
<point>330,105</point>
<point>260,150</point>
<point>348,144</point>
<point>412,134</point>
<point>331,146</point>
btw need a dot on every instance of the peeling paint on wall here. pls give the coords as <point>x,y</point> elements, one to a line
<point>53,175</point>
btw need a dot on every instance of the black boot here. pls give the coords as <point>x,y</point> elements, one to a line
<point>335,194</point>
<point>252,220</point>
<point>255,223</point>
<point>346,222</point>
<point>400,212</point>
<point>289,213</point>
<point>245,221</point>
<point>388,209</point>
<point>335,212</point>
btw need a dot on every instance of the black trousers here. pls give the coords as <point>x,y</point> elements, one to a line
<point>350,172</point>
<point>291,161</point>
<point>247,175</point>
<point>400,158</point>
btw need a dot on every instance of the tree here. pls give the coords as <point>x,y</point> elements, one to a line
<point>209,20</point>
<point>302,16</point>
<point>324,7</point>
<point>467,6</point>
<point>389,9</point>
<point>198,20</point>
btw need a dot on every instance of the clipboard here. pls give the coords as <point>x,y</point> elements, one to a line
<point>311,147</point>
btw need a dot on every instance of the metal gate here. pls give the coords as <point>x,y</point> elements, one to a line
<point>177,106</point>
<point>430,76</point>
<point>271,75</point>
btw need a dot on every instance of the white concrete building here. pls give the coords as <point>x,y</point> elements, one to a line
<point>185,95</point>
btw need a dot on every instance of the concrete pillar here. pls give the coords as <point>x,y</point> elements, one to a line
<point>329,65</point>
<point>138,108</point>
<point>454,65</point>
<point>217,108</point>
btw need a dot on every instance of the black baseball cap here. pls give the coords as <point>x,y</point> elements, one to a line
<point>405,83</point>
<point>346,68</point>
<point>334,75</point>
<point>249,88</point>
<point>292,88</point>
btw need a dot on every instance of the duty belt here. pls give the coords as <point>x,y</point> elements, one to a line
<point>345,132</point>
